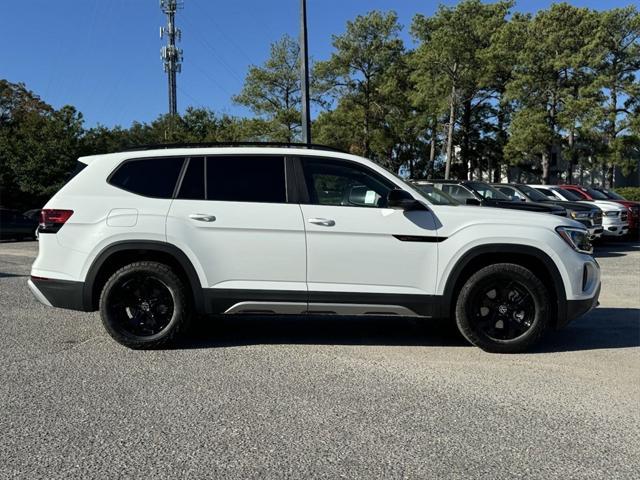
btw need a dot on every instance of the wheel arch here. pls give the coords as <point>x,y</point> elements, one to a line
<point>116,255</point>
<point>527,256</point>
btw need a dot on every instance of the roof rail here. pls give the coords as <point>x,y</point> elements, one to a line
<point>311,146</point>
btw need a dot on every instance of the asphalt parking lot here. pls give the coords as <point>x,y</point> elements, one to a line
<point>354,398</point>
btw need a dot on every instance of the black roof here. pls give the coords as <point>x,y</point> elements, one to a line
<point>437,180</point>
<point>311,146</point>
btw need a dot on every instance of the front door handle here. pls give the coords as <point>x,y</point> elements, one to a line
<point>201,217</point>
<point>325,222</point>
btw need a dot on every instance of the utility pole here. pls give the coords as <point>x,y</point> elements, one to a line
<point>304,74</point>
<point>171,55</point>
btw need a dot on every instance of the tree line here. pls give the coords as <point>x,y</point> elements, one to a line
<point>480,88</point>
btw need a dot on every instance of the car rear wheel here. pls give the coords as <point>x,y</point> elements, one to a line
<point>144,305</point>
<point>503,308</point>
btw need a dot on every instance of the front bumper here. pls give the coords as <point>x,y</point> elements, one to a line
<point>58,293</point>
<point>616,230</point>
<point>595,232</point>
<point>577,308</point>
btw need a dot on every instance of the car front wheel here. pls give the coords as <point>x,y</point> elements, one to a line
<point>144,305</point>
<point>503,308</point>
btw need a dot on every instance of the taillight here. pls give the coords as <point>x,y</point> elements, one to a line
<point>52,220</point>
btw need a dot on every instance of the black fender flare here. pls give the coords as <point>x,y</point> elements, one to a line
<point>507,248</point>
<point>146,245</point>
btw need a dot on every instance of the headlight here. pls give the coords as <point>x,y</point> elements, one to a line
<point>577,238</point>
<point>580,214</point>
<point>612,213</point>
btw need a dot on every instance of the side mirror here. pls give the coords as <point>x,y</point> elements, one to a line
<point>472,201</point>
<point>402,200</point>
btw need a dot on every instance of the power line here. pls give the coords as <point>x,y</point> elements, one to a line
<point>171,55</point>
<point>219,30</point>
<point>204,42</point>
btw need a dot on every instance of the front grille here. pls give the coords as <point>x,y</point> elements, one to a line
<point>586,223</point>
<point>635,211</point>
<point>597,218</point>
<point>623,216</point>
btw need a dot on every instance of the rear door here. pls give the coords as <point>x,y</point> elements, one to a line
<point>361,256</point>
<point>232,217</point>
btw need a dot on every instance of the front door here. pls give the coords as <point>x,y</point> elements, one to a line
<point>361,255</point>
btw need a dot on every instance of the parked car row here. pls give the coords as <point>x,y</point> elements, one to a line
<point>18,226</point>
<point>603,212</point>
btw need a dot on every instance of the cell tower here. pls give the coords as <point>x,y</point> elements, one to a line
<point>171,55</point>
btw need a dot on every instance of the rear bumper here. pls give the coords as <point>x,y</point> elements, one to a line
<point>58,293</point>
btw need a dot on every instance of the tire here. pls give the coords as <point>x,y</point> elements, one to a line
<point>144,305</point>
<point>503,308</point>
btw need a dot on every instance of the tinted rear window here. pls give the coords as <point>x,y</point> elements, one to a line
<point>79,166</point>
<point>246,179</point>
<point>192,187</point>
<point>151,177</point>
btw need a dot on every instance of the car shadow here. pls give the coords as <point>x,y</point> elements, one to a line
<point>601,329</point>
<point>615,248</point>
<point>236,330</point>
<point>8,275</point>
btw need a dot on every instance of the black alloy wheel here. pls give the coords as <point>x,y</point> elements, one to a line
<point>503,308</point>
<point>141,304</point>
<point>144,305</point>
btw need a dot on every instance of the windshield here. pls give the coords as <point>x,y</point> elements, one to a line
<point>533,194</point>
<point>487,191</point>
<point>596,195</point>
<point>433,195</point>
<point>572,197</point>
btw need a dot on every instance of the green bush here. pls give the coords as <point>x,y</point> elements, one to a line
<point>630,193</point>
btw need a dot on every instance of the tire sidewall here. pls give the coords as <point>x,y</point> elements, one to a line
<point>172,283</point>
<point>465,308</point>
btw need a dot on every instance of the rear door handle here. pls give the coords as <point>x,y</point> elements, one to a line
<point>201,217</point>
<point>325,222</point>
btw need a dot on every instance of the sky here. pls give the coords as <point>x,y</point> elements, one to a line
<point>103,56</point>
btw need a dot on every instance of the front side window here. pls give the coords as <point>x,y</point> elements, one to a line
<point>546,192</point>
<point>612,194</point>
<point>510,192</point>
<point>487,191</point>
<point>571,196</point>
<point>458,192</point>
<point>595,194</point>
<point>238,178</point>
<point>434,195</point>
<point>334,182</point>
<point>533,194</point>
<point>150,177</point>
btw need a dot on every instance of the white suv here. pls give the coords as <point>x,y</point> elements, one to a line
<point>153,237</point>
